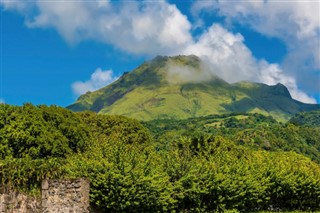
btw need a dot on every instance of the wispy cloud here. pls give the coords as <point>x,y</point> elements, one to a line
<point>2,101</point>
<point>180,74</point>
<point>98,79</point>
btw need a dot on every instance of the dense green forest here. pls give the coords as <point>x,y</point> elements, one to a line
<point>301,134</point>
<point>236,162</point>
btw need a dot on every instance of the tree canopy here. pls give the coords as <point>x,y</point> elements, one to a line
<point>238,162</point>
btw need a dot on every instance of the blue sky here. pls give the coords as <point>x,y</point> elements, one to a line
<point>53,51</point>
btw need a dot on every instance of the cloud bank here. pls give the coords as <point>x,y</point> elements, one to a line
<point>153,28</point>
<point>233,61</point>
<point>296,23</point>
<point>99,78</point>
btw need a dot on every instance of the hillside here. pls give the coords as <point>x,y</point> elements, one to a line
<point>252,130</point>
<point>179,87</point>
<point>311,119</point>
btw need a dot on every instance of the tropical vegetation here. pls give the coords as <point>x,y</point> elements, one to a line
<point>234,162</point>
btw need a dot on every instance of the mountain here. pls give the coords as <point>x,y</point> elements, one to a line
<point>182,87</point>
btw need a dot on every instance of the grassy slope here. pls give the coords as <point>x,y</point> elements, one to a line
<point>145,94</point>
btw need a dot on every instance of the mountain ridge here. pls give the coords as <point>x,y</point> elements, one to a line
<point>179,87</point>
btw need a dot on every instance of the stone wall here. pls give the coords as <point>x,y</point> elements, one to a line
<point>11,201</point>
<point>65,196</point>
<point>57,196</point>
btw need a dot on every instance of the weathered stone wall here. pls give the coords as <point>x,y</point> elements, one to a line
<point>57,196</point>
<point>11,201</point>
<point>65,196</point>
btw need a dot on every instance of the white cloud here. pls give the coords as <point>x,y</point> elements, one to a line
<point>226,53</point>
<point>284,19</point>
<point>271,74</point>
<point>2,101</point>
<point>137,27</point>
<point>18,5</point>
<point>230,59</point>
<point>297,23</point>
<point>99,78</point>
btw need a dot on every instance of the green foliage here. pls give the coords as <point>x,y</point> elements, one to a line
<point>124,176</point>
<point>251,130</point>
<point>26,174</point>
<point>116,127</point>
<point>214,174</point>
<point>217,163</point>
<point>40,132</point>
<point>295,183</point>
<point>310,119</point>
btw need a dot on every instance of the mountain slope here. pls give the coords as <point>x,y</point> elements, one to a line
<point>179,87</point>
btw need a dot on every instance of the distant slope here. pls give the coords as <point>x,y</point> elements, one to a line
<point>252,130</point>
<point>157,89</point>
<point>310,119</point>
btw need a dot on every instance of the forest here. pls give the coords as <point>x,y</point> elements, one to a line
<point>236,162</point>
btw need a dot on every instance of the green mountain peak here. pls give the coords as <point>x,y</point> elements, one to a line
<point>183,87</point>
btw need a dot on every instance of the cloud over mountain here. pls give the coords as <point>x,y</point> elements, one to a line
<point>231,59</point>
<point>160,28</point>
<point>296,23</point>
